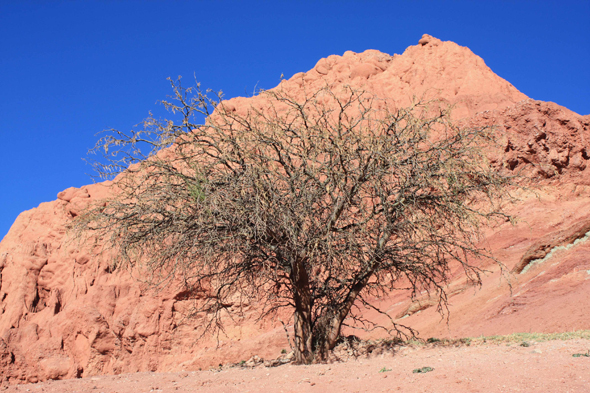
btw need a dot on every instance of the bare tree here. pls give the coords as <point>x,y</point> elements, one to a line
<point>318,204</point>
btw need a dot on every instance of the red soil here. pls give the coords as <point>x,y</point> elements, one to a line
<point>541,367</point>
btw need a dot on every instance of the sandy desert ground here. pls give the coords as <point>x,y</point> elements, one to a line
<point>513,366</point>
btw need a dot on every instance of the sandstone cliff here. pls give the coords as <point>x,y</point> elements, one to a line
<point>65,314</point>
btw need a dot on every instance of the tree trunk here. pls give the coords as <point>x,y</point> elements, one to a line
<point>326,333</point>
<point>303,329</point>
<point>328,328</point>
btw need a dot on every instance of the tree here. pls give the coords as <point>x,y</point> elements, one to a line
<point>319,203</point>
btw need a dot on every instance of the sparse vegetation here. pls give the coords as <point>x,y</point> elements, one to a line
<point>515,338</point>
<point>532,337</point>
<point>367,348</point>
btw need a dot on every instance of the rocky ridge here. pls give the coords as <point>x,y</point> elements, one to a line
<point>65,314</point>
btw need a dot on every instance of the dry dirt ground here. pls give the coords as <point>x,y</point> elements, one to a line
<point>525,366</point>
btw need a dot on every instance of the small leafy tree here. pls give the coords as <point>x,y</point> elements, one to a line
<point>318,204</point>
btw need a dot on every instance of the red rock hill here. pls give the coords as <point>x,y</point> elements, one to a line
<point>65,314</point>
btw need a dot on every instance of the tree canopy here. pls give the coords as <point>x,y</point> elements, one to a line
<point>317,203</point>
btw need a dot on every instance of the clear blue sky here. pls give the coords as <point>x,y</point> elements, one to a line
<point>69,69</point>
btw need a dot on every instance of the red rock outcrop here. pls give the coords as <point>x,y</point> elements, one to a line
<point>64,313</point>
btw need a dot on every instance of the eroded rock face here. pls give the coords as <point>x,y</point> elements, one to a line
<point>64,313</point>
<point>433,69</point>
<point>541,138</point>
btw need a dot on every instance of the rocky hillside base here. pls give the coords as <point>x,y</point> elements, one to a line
<point>65,314</point>
<point>493,366</point>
